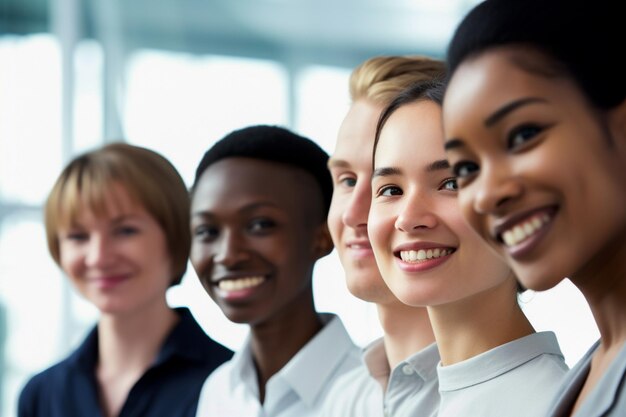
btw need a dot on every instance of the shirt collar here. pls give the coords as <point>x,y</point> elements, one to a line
<point>376,361</point>
<point>186,340</point>
<point>305,373</point>
<point>307,361</point>
<point>424,362</point>
<point>497,361</point>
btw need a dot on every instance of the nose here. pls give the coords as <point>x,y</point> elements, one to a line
<point>495,188</point>
<point>99,251</point>
<point>416,214</point>
<point>357,210</point>
<point>230,249</point>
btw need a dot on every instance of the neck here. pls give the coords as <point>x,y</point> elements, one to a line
<point>476,324</point>
<point>275,341</point>
<point>132,341</point>
<point>407,330</point>
<point>603,283</point>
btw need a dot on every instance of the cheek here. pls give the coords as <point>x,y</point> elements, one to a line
<point>335,224</point>
<point>466,207</point>
<point>379,227</point>
<point>200,259</point>
<point>69,260</point>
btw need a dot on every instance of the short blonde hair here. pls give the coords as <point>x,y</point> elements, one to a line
<point>149,178</point>
<point>381,79</point>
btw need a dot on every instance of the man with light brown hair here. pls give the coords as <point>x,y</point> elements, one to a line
<point>399,374</point>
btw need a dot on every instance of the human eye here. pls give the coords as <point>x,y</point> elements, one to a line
<point>261,225</point>
<point>463,170</point>
<point>449,184</point>
<point>389,191</point>
<point>76,236</point>
<point>347,181</point>
<point>205,232</point>
<point>343,179</point>
<point>521,135</point>
<point>126,230</point>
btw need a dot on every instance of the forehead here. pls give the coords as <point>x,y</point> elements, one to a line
<point>412,133</point>
<point>111,202</point>
<point>357,131</point>
<point>499,75</point>
<point>232,183</point>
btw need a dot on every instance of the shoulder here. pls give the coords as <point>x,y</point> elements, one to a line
<point>44,386</point>
<point>190,340</point>
<point>354,394</point>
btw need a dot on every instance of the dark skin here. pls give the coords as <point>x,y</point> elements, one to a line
<point>258,230</point>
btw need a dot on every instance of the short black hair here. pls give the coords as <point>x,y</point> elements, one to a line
<point>583,36</point>
<point>273,144</point>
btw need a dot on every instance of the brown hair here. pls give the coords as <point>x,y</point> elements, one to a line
<point>381,79</point>
<point>149,178</point>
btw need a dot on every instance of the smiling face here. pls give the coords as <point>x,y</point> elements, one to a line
<point>257,232</point>
<point>426,252</point>
<point>351,170</point>
<point>541,174</point>
<point>117,260</point>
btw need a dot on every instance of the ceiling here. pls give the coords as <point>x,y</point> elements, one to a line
<point>340,32</point>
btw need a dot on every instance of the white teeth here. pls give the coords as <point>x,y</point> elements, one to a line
<point>240,283</point>
<point>523,231</point>
<point>422,255</point>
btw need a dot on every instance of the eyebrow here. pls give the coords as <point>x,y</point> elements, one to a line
<point>453,144</point>
<point>386,172</point>
<point>245,209</point>
<point>495,117</point>
<point>508,108</point>
<point>337,163</point>
<point>438,165</point>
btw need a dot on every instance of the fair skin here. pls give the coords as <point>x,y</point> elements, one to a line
<point>426,252</point>
<point>406,329</point>
<point>257,232</point>
<point>120,263</point>
<point>541,178</point>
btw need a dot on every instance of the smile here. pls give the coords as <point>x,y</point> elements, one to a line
<point>239,284</point>
<point>413,256</point>
<point>525,230</point>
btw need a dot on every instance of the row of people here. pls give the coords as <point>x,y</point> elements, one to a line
<point>450,191</point>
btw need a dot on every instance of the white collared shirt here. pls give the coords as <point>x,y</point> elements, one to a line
<point>410,388</point>
<point>517,379</point>
<point>297,390</point>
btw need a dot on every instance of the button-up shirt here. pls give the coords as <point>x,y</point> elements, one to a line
<point>517,379</point>
<point>297,390</point>
<point>410,389</point>
<point>169,388</point>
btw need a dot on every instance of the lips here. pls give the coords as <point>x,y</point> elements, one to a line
<point>240,283</point>
<point>359,245</point>
<point>524,227</point>
<point>110,281</point>
<point>422,251</point>
<point>424,254</point>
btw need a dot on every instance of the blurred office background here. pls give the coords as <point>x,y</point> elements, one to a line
<point>175,76</point>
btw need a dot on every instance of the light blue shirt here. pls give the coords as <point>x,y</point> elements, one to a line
<point>354,394</point>
<point>608,397</point>
<point>410,388</point>
<point>298,390</point>
<point>517,379</point>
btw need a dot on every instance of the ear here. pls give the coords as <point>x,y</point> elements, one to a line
<point>323,243</point>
